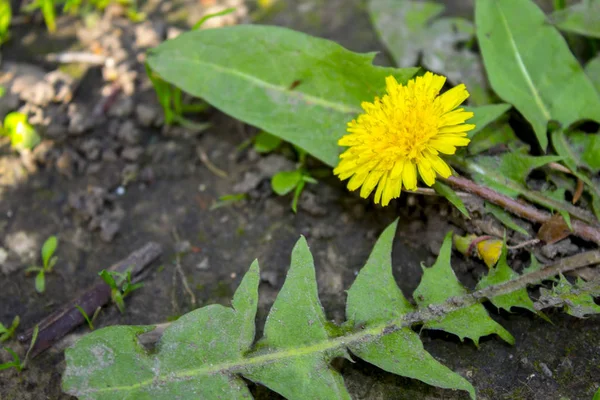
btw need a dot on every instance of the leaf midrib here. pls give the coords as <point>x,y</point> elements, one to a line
<point>308,98</point>
<point>233,367</point>
<point>522,67</point>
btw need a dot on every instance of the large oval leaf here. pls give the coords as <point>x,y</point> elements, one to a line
<point>300,88</point>
<point>529,65</point>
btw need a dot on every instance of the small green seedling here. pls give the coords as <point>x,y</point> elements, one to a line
<point>170,97</point>
<point>228,199</point>
<point>5,18</point>
<point>22,135</point>
<point>265,142</point>
<point>16,362</point>
<point>171,101</point>
<point>90,321</point>
<point>202,20</point>
<point>7,333</point>
<point>121,286</point>
<point>284,182</point>
<point>48,260</point>
<point>47,7</point>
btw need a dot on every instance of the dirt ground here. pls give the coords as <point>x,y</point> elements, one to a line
<point>108,184</point>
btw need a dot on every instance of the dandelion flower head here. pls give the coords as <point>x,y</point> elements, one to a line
<point>401,133</point>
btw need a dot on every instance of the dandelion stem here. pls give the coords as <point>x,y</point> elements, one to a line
<point>521,209</point>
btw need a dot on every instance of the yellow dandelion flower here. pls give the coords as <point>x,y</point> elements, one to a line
<point>402,133</point>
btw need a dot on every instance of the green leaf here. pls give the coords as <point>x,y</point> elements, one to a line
<point>108,279</point>
<point>5,18</point>
<point>284,182</point>
<point>576,302</point>
<point>48,249</point>
<point>40,282</point>
<point>502,273</point>
<point>505,218</point>
<point>493,136</point>
<point>534,265</point>
<point>592,69</point>
<point>451,196</point>
<point>266,143</point>
<point>7,333</point>
<point>582,18</point>
<point>402,26</point>
<point>485,115</point>
<point>471,322</point>
<point>374,298</point>
<point>597,395</point>
<point>22,134</point>
<point>529,65</point>
<point>15,363</point>
<point>300,88</point>
<point>579,149</point>
<point>298,309</point>
<point>193,358</point>
<point>507,174</point>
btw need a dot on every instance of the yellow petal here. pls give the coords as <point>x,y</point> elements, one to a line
<point>453,98</point>
<point>409,175</point>
<point>389,192</point>
<point>370,183</point>
<point>426,173</point>
<point>358,179</point>
<point>440,166</point>
<point>380,188</point>
<point>462,128</point>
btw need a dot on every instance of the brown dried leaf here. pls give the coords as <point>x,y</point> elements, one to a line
<point>554,230</point>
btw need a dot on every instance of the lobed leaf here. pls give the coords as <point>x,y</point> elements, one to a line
<point>502,273</point>
<point>194,358</point>
<point>296,338</point>
<point>303,89</point>
<point>374,298</point>
<point>529,65</point>
<point>576,302</point>
<point>472,322</point>
<point>205,353</point>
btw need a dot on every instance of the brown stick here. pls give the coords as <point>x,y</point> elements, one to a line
<point>62,321</point>
<point>523,210</point>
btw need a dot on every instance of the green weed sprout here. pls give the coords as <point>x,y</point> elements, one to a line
<point>228,199</point>
<point>170,96</point>
<point>171,101</point>
<point>5,18</point>
<point>75,7</point>
<point>284,182</point>
<point>121,286</point>
<point>16,362</point>
<point>7,333</point>
<point>90,321</point>
<point>47,7</point>
<point>48,260</point>
<point>22,135</point>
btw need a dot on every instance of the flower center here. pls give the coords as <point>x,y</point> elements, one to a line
<point>411,127</point>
